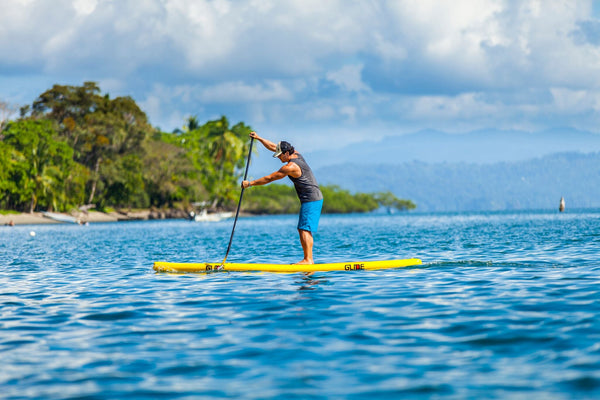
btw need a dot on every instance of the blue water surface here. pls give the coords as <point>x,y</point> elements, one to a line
<point>505,306</point>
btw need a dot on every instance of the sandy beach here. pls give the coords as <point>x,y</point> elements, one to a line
<point>88,217</point>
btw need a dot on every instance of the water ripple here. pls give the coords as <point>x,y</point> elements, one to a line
<point>505,306</point>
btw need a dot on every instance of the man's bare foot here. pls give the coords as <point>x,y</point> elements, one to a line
<point>305,262</point>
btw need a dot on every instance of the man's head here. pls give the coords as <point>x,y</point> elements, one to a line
<point>284,147</point>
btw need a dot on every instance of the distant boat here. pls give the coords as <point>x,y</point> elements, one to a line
<point>60,217</point>
<point>561,206</point>
<point>204,216</point>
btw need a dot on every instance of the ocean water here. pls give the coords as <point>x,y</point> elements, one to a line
<point>506,305</point>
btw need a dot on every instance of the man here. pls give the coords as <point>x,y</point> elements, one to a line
<point>307,188</point>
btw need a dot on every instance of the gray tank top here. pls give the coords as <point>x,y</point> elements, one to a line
<point>306,185</point>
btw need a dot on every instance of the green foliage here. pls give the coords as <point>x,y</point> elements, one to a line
<point>218,152</point>
<point>38,165</point>
<point>282,199</point>
<point>390,201</point>
<point>101,131</point>
<point>7,185</point>
<point>9,212</point>
<point>170,175</point>
<point>271,199</point>
<point>126,185</point>
<point>340,201</point>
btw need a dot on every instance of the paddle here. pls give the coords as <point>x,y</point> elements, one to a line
<point>238,207</point>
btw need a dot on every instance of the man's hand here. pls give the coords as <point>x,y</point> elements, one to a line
<point>245,184</point>
<point>267,143</point>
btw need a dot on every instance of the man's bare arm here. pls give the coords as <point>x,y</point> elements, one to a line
<point>267,143</point>
<point>289,169</point>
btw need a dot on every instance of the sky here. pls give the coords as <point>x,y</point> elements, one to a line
<point>319,73</point>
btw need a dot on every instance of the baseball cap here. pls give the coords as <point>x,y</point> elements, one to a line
<point>283,147</point>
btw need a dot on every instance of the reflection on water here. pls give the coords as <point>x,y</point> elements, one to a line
<point>308,281</point>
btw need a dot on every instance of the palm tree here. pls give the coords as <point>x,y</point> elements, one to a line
<point>191,125</point>
<point>225,150</point>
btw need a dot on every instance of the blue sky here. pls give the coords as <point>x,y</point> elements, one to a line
<point>318,73</point>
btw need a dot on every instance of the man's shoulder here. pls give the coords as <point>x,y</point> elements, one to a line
<point>290,167</point>
<point>296,157</point>
<point>291,164</point>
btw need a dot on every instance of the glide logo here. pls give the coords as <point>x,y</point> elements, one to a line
<point>352,267</point>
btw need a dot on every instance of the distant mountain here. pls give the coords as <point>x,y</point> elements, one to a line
<point>484,147</point>
<point>536,183</point>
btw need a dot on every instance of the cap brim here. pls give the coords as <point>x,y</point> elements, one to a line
<point>277,154</point>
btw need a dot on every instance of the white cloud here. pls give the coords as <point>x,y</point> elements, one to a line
<point>349,78</point>
<point>574,101</point>
<point>349,112</point>
<point>85,7</point>
<point>320,113</point>
<point>400,64</point>
<point>239,92</point>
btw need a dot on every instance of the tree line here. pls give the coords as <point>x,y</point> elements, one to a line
<point>74,146</point>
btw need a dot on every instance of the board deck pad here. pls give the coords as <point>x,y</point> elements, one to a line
<point>163,266</point>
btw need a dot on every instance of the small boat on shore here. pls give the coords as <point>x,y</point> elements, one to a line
<point>60,217</point>
<point>205,216</point>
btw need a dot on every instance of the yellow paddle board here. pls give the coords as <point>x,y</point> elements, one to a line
<point>162,266</point>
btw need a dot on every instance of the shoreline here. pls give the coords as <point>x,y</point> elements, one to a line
<point>38,218</point>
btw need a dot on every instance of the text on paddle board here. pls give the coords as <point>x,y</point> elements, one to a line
<point>347,267</point>
<point>351,267</point>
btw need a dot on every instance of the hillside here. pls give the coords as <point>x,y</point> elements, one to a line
<point>482,147</point>
<point>537,183</point>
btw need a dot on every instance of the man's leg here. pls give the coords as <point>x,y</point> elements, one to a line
<point>308,222</point>
<point>306,240</point>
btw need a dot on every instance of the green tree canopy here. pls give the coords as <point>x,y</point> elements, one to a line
<point>282,199</point>
<point>170,175</point>
<point>390,201</point>
<point>100,130</point>
<point>40,163</point>
<point>218,151</point>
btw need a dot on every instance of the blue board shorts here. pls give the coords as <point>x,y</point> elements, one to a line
<point>310,213</point>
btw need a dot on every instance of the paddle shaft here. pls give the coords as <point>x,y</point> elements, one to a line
<point>239,203</point>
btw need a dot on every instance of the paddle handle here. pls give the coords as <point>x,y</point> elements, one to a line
<point>239,204</point>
